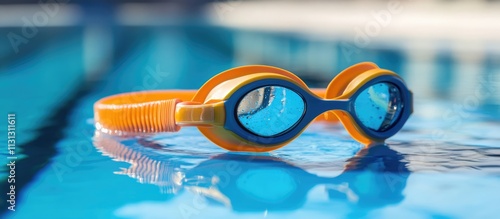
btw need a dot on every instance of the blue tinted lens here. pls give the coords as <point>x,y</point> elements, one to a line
<point>379,106</point>
<point>270,110</point>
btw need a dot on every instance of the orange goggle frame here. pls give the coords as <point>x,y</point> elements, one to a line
<point>213,107</point>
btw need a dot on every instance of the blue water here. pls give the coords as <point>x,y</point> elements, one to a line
<point>443,164</point>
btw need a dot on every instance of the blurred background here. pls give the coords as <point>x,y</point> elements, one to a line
<point>50,49</point>
<point>57,57</point>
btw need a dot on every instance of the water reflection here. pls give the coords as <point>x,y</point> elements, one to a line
<point>374,177</point>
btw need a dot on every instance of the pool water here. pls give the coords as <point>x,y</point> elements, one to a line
<point>443,164</point>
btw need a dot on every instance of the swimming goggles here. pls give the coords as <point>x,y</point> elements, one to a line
<point>262,108</point>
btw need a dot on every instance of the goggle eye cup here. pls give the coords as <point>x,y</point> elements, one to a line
<point>379,106</point>
<point>270,110</point>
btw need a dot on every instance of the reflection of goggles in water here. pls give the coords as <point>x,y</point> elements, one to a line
<point>376,176</point>
<point>262,108</point>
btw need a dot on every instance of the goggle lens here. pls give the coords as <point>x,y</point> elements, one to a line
<point>270,110</point>
<point>379,106</point>
<point>255,183</point>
